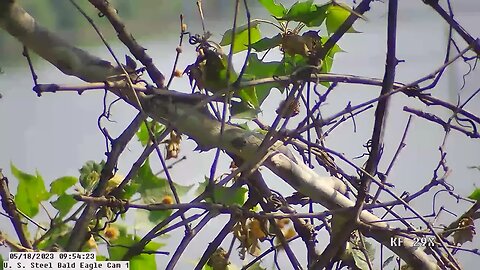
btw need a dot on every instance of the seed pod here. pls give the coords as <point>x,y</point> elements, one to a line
<point>219,260</point>
<point>111,232</point>
<point>167,199</point>
<point>173,145</point>
<point>257,229</point>
<point>293,108</point>
<point>294,44</point>
<point>465,231</point>
<point>177,73</point>
<point>92,244</point>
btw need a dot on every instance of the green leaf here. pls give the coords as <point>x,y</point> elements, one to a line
<point>253,97</point>
<point>242,110</point>
<point>275,9</point>
<point>291,63</point>
<point>244,125</point>
<point>336,15</point>
<point>229,195</point>
<point>202,186</point>
<point>60,185</point>
<point>30,191</point>
<point>59,236</point>
<point>267,43</point>
<point>101,258</point>
<point>142,261</point>
<point>241,36</point>
<point>257,266</point>
<point>143,135</point>
<point>256,69</point>
<point>90,174</point>
<point>224,195</point>
<point>213,70</point>
<point>152,188</point>
<point>475,195</point>
<point>63,204</point>
<point>129,190</point>
<point>307,12</point>
<point>328,60</point>
<point>146,220</point>
<point>370,249</point>
<point>158,215</point>
<point>249,96</point>
<point>359,259</point>
<point>181,189</point>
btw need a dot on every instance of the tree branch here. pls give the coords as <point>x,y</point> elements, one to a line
<point>363,7</point>
<point>376,140</point>
<point>446,126</point>
<point>474,43</point>
<point>67,58</point>
<point>127,38</point>
<point>79,231</point>
<point>10,208</point>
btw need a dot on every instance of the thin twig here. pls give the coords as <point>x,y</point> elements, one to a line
<point>127,38</point>
<point>178,50</point>
<point>401,145</point>
<point>110,50</point>
<point>431,117</point>
<point>171,184</point>
<point>227,100</point>
<point>475,44</point>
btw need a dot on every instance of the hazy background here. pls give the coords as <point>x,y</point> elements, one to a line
<point>56,133</point>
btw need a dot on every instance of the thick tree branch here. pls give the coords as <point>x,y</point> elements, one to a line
<point>69,59</point>
<point>381,111</point>
<point>79,232</point>
<point>328,192</point>
<point>376,140</point>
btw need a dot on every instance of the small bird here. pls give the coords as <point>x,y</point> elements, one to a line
<point>210,71</point>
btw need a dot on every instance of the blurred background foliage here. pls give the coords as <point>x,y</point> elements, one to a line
<point>147,19</point>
